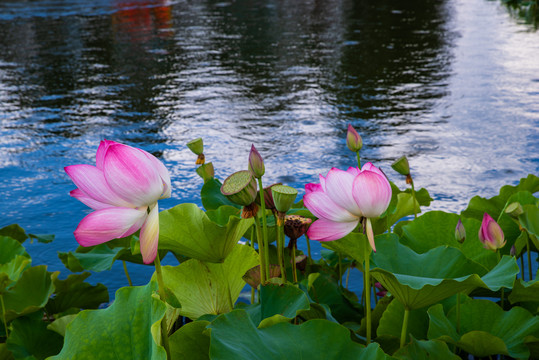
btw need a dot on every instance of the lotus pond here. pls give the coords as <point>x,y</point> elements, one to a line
<point>180,258</point>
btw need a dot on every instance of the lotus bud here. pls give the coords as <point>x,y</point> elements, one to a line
<point>240,188</point>
<point>353,139</point>
<point>196,146</point>
<point>256,163</point>
<point>460,232</point>
<point>283,197</point>
<point>382,291</point>
<point>514,210</point>
<point>513,251</point>
<point>491,234</point>
<point>401,166</point>
<point>296,226</point>
<point>206,171</point>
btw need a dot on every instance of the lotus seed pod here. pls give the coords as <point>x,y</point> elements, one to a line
<point>240,188</point>
<point>514,210</point>
<point>401,166</point>
<point>196,146</point>
<point>283,197</point>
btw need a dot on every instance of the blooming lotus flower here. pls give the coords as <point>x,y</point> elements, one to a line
<point>123,189</point>
<point>343,197</point>
<point>491,234</point>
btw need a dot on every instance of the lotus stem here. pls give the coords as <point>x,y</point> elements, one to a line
<point>413,197</point>
<point>294,275</point>
<point>309,249</point>
<point>374,293</point>
<point>347,277</point>
<point>4,315</point>
<point>367,289</point>
<point>522,266</point>
<point>263,275</point>
<point>162,295</point>
<point>404,330</point>
<point>358,160</point>
<point>280,246</point>
<point>264,225</point>
<point>252,295</point>
<point>127,273</point>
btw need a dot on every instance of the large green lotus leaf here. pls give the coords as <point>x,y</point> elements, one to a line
<point>530,219</point>
<point>73,292</point>
<point>352,245</point>
<point>510,228</point>
<point>485,329</point>
<point>121,331</point>
<point>210,288</point>
<point>190,342</point>
<point>391,321</point>
<point>14,231</point>
<point>187,230</point>
<point>59,325</point>
<point>235,336</point>
<point>524,291</point>
<point>437,228</point>
<point>324,289</point>
<point>30,338</point>
<point>211,195</point>
<point>99,258</point>
<point>10,248</point>
<point>12,271</point>
<point>425,350</point>
<point>532,342</point>
<point>30,293</point>
<point>419,280</point>
<point>278,303</point>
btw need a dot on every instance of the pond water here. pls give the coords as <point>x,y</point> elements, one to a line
<point>453,84</point>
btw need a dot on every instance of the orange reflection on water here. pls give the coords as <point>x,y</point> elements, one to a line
<point>141,21</point>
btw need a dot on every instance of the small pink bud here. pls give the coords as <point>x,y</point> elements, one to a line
<point>491,234</point>
<point>353,140</point>
<point>460,232</point>
<point>256,163</point>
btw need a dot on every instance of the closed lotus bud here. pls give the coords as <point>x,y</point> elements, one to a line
<point>296,226</point>
<point>513,251</point>
<point>206,171</point>
<point>196,146</point>
<point>353,139</point>
<point>240,188</point>
<point>460,232</point>
<point>491,234</point>
<point>283,197</point>
<point>514,210</point>
<point>256,163</point>
<point>401,166</point>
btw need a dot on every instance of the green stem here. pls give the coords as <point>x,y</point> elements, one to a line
<point>162,295</point>
<point>522,266</point>
<point>374,294</point>
<point>347,277</point>
<point>309,249</point>
<point>127,273</point>
<point>358,160</point>
<point>458,312</point>
<point>264,225</point>
<point>404,330</point>
<point>4,315</point>
<point>294,275</point>
<point>280,247</point>
<point>367,288</point>
<point>529,257</point>
<point>340,269</point>
<point>252,295</point>
<point>261,250</point>
<point>413,197</point>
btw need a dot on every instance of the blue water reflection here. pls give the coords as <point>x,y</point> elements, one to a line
<point>421,78</point>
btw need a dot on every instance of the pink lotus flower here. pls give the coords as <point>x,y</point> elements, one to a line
<point>491,234</point>
<point>123,189</point>
<point>342,197</point>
